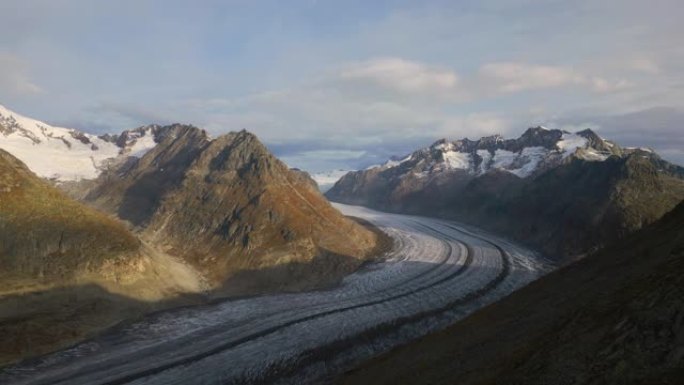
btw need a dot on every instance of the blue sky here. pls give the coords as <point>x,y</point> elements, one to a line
<point>345,84</point>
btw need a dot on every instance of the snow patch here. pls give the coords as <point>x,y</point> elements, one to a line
<point>645,149</point>
<point>569,143</point>
<point>486,158</point>
<point>522,164</point>
<point>54,152</point>
<point>503,159</point>
<point>394,163</point>
<point>530,158</point>
<point>456,160</point>
<point>142,144</point>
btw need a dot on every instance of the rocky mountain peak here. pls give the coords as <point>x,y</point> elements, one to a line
<point>539,137</point>
<point>439,143</point>
<point>226,204</point>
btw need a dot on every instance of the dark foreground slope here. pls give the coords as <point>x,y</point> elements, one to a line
<point>616,317</point>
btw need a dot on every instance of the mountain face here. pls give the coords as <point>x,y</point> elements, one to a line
<point>64,154</point>
<point>209,218</point>
<point>45,235</point>
<point>560,192</point>
<point>227,205</point>
<point>615,317</point>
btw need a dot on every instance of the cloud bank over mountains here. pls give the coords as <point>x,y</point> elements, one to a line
<point>343,85</point>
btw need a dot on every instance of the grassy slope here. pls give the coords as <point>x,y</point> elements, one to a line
<point>44,234</point>
<point>68,271</point>
<point>614,317</point>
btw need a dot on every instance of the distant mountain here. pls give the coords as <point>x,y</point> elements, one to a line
<point>560,192</point>
<point>227,205</point>
<point>327,179</point>
<point>65,154</point>
<point>616,317</point>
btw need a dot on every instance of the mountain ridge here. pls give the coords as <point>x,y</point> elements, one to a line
<point>526,194</point>
<point>66,154</point>
<point>226,204</point>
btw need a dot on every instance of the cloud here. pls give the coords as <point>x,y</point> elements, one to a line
<point>515,77</point>
<point>645,65</point>
<point>14,76</point>
<point>512,77</point>
<point>379,77</point>
<point>402,75</point>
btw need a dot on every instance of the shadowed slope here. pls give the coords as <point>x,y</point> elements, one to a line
<point>615,317</point>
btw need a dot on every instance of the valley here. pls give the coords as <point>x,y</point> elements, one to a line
<point>341,192</point>
<point>437,272</point>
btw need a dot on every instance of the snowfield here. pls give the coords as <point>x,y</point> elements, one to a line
<point>54,152</point>
<point>437,272</point>
<point>64,154</point>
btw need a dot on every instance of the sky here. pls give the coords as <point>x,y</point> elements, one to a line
<point>346,84</point>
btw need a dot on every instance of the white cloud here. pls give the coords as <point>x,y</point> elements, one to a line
<point>515,77</point>
<point>511,77</point>
<point>402,75</point>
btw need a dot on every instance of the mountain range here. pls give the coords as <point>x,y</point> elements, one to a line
<point>167,216</point>
<point>562,193</point>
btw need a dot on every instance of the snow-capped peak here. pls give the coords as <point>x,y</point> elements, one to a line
<point>569,143</point>
<point>65,154</point>
<point>538,148</point>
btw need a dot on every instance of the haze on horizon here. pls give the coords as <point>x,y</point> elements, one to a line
<point>346,84</point>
